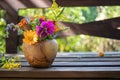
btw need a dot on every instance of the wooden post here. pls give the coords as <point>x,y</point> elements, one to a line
<point>11,42</point>
<point>11,16</point>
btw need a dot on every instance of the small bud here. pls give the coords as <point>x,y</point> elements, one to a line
<point>101,54</point>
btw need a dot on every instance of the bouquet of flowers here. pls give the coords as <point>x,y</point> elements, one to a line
<point>39,28</point>
<point>45,29</point>
<point>39,45</point>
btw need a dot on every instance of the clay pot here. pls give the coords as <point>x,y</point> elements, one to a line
<point>40,54</point>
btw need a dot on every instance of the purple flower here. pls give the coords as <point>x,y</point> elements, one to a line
<point>41,20</point>
<point>38,30</point>
<point>46,28</point>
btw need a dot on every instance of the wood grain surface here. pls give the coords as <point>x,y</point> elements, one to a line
<point>70,66</point>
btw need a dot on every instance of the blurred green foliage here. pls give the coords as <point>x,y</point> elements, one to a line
<point>83,15</point>
<point>2,31</point>
<point>77,15</point>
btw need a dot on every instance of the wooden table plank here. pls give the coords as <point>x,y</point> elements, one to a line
<point>73,65</point>
<point>70,69</point>
<point>63,72</point>
<point>88,54</point>
<point>78,54</point>
<point>79,64</point>
<point>102,59</point>
<point>51,79</point>
<point>59,59</point>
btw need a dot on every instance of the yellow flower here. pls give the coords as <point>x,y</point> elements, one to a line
<point>11,65</point>
<point>30,37</point>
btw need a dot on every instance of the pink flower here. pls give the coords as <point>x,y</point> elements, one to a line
<point>38,30</point>
<point>41,20</point>
<point>46,28</point>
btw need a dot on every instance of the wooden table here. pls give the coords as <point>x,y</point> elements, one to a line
<point>70,66</point>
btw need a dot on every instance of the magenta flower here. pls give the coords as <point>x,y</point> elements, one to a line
<point>41,20</point>
<point>38,30</point>
<point>46,28</point>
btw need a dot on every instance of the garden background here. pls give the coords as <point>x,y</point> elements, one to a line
<point>78,43</point>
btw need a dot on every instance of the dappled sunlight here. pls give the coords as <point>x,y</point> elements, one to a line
<point>118,28</point>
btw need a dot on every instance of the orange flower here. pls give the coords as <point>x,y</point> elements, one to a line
<point>57,29</point>
<point>43,17</point>
<point>100,54</point>
<point>32,19</point>
<point>30,37</point>
<point>22,23</point>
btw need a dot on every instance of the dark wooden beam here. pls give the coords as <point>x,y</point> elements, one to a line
<point>11,12</point>
<point>65,3</point>
<point>12,6</point>
<point>105,28</point>
<point>76,3</point>
<point>12,42</point>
